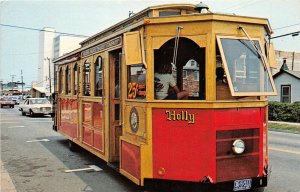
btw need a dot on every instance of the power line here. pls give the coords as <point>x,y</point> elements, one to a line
<point>287,26</point>
<point>296,33</point>
<point>34,29</point>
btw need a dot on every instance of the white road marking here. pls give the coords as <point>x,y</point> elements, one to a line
<point>18,126</point>
<point>38,140</point>
<point>91,167</point>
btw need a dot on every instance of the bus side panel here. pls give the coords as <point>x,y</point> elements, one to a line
<point>130,159</point>
<point>68,117</point>
<point>93,134</point>
<point>97,124</point>
<point>87,123</point>
<point>183,144</point>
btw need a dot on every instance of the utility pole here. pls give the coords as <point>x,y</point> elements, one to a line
<point>22,81</point>
<point>12,83</point>
<point>49,75</point>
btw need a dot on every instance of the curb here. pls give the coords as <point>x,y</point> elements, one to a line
<point>6,184</point>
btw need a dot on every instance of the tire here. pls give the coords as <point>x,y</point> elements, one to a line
<point>1,106</point>
<point>52,115</point>
<point>12,106</point>
<point>72,146</point>
<point>23,113</point>
<point>31,114</point>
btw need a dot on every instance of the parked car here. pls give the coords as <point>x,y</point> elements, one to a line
<point>36,106</point>
<point>16,98</point>
<point>7,101</point>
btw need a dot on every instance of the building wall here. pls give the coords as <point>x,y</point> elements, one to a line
<point>65,44</point>
<point>45,51</point>
<point>292,61</point>
<point>286,79</point>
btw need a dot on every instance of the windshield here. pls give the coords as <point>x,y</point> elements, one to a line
<point>246,71</point>
<point>38,101</point>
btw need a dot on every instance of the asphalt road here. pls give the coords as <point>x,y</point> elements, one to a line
<point>39,166</point>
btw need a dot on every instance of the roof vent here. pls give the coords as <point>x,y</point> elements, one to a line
<point>201,8</point>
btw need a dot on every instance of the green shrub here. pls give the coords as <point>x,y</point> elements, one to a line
<point>284,111</point>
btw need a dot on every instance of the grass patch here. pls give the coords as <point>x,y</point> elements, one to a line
<point>284,127</point>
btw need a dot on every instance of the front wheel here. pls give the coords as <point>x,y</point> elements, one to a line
<point>31,113</point>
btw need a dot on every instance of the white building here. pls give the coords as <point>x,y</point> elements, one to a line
<point>64,44</point>
<point>45,51</point>
<point>50,47</point>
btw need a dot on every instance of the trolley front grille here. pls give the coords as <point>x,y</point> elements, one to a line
<point>230,166</point>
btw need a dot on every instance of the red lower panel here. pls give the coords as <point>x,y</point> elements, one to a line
<point>98,140</point>
<point>87,135</point>
<point>69,117</point>
<point>237,168</point>
<point>183,144</point>
<point>191,144</point>
<point>131,161</point>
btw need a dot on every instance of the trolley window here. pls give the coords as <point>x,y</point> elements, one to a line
<point>68,81</point>
<point>86,79</point>
<point>60,81</point>
<point>98,77</point>
<point>136,82</point>
<point>75,74</point>
<point>247,73</point>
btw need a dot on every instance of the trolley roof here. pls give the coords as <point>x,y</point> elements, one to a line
<point>151,15</point>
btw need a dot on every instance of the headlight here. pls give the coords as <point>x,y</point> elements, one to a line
<point>238,146</point>
<point>35,109</point>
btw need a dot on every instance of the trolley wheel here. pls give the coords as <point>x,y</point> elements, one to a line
<point>72,146</point>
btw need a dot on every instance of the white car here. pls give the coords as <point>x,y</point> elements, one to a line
<point>36,106</point>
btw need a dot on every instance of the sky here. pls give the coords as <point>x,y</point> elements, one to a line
<point>19,47</point>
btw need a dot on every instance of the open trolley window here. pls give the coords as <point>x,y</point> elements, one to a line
<point>247,73</point>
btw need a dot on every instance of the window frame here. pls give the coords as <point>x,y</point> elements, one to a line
<point>100,71</point>
<point>76,78</point>
<point>86,75</point>
<point>226,68</point>
<point>289,94</point>
<point>68,80</point>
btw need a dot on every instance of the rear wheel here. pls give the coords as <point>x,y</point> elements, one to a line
<point>72,146</point>
<point>1,106</point>
<point>12,106</point>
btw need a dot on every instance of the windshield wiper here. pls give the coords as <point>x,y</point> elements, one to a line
<point>255,47</point>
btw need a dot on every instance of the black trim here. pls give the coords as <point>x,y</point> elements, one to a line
<point>171,185</point>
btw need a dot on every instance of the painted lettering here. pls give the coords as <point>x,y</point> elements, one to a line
<point>181,116</point>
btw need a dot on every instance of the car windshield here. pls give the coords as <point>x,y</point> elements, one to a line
<point>39,101</point>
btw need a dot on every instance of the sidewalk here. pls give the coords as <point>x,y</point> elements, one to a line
<point>6,184</point>
<point>282,122</point>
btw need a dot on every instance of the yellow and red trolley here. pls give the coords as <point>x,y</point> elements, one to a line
<point>106,97</point>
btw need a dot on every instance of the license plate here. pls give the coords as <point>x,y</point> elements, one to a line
<point>243,184</point>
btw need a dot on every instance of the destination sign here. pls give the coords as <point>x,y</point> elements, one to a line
<point>102,46</point>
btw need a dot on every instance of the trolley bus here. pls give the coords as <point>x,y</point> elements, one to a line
<point>109,98</point>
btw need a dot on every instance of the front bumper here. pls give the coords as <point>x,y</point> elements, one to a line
<point>168,185</point>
